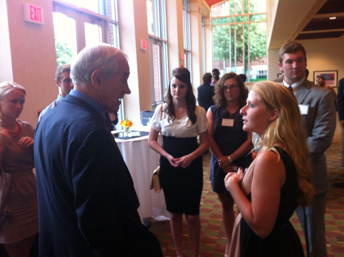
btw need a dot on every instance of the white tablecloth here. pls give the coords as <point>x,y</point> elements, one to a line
<point>141,161</point>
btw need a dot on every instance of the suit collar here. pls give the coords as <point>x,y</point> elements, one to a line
<point>303,91</point>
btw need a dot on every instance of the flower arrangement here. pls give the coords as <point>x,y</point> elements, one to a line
<point>126,124</point>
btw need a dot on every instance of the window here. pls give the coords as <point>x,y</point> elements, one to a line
<point>80,23</point>
<point>92,5</point>
<point>186,31</point>
<point>88,21</point>
<point>239,38</point>
<point>156,22</point>
<point>65,38</point>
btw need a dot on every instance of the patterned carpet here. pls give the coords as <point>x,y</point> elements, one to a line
<point>213,240</point>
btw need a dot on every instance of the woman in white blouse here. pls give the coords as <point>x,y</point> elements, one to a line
<point>180,121</point>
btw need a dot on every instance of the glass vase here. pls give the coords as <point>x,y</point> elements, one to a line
<point>127,132</point>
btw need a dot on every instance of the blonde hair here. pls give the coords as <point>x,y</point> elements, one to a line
<point>6,87</point>
<point>289,130</point>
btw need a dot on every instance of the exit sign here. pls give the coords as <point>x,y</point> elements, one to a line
<point>143,44</point>
<point>33,14</point>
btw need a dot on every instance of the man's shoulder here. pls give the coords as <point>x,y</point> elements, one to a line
<point>341,83</point>
<point>52,105</point>
<point>78,123</point>
<point>48,108</point>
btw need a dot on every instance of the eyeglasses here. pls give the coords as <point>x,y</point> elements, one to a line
<point>230,87</point>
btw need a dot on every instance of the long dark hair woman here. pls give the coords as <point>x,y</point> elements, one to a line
<point>180,121</point>
<point>18,193</point>
<point>229,143</point>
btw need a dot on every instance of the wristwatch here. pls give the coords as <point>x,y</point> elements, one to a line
<point>229,159</point>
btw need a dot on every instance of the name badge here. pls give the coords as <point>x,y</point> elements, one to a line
<point>228,122</point>
<point>303,109</point>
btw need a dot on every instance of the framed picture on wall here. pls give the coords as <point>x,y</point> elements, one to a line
<point>330,76</point>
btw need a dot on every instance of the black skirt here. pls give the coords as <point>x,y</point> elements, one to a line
<point>182,187</point>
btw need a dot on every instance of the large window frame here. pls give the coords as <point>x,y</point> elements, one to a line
<point>105,18</point>
<point>186,35</point>
<point>238,23</point>
<point>159,63</point>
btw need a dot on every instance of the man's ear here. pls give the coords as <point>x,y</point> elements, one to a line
<point>97,78</point>
<point>274,115</point>
<point>280,66</point>
<point>57,82</point>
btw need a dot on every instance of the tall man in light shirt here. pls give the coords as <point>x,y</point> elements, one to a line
<point>64,82</point>
<point>319,117</point>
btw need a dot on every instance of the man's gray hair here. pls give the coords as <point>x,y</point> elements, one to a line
<point>102,57</point>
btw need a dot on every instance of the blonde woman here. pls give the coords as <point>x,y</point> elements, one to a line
<point>276,181</point>
<point>18,201</point>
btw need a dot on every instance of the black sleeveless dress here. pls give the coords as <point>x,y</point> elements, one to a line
<point>228,139</point>
<point>283,241</point>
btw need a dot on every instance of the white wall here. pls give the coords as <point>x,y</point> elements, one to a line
<point>28,52</point>
<point>324,54</point>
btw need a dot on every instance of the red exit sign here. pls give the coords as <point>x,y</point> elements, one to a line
<point>143,44</point>
<point>33,14</point>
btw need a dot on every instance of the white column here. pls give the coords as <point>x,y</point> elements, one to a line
<point>196,43</point>
<point>133,28</point>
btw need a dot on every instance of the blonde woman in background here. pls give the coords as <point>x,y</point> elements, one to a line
<point>276,181</point>
<point>18,193</point>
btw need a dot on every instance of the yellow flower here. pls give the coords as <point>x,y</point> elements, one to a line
<point>126,123</point>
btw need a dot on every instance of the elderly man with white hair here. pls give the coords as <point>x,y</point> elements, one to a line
<point>86,197</point>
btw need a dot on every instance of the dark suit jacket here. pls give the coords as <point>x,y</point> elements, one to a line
<point>87,201</point>
<point>205,96</point>
<point>320,124</point>
<point>340,99</point>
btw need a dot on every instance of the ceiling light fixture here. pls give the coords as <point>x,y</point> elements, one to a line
<point>333,18</point>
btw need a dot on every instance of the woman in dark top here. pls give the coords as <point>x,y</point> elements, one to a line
<point>276,181</point>
<point>230,145</point>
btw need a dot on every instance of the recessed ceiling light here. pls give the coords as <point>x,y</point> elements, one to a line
<point>333,18</point>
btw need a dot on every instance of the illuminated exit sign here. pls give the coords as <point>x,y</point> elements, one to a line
<point>33,14</point>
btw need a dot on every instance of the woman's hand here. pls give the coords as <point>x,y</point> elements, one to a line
<point>228,169</point>
<point>233,178</point>
<point>172,161</point>
<point>184,161</point>
<point>223,162</point>
<point>25,141</point>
